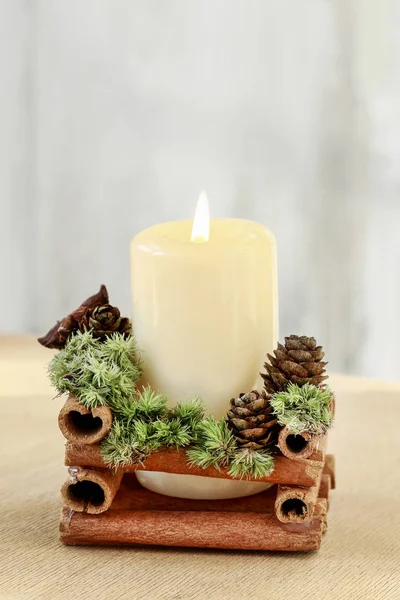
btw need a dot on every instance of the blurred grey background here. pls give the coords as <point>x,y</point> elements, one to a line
<point>114,114</point>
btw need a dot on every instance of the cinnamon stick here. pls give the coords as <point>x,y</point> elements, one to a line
<point>133,496</point>
<point>90,490</point>
<point>320,449</point>
<point>247,531</point>
<point>329,469</point>
<point>325,487</point>
<point>299,472</point>
<point>84,425</point>
<point>321,512</point>
<point>296,504</point>
<point>297,446</point>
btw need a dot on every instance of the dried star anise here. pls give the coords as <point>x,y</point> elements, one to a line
<point>95,314</point>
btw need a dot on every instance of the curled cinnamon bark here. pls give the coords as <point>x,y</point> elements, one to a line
<point>90,490</point>
<point>82,425</point>
<point>295,504</point>
<point>329,469</point>
<point>300,472</point>
<point>325,487</point>
<point>293,446</point>
<point>135,524</point>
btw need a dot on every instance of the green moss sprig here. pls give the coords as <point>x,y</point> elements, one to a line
<point>106,372</point>
<point>98,372</point>
<point>149,426</point>
<point>304,409</point>
<point>246,462</point>
<point>216,446</point>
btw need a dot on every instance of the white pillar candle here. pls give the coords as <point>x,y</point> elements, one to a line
<point>205,312</point>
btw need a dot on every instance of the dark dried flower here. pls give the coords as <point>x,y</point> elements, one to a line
<point>94,313</point>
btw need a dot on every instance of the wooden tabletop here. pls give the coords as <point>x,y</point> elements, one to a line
<point>359,557</point>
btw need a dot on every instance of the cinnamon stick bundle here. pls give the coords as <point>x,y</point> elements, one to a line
<point>91,490</point>
<point>301,472</point>
<point>83,425</point>
<point>296,504</point>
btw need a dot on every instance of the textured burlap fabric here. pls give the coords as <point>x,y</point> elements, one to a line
<point>359,557</point>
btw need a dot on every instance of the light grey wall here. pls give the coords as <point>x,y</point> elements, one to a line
<point>114,114</point>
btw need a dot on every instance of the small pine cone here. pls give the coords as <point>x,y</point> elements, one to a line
<point>251,421</point>
<point>104,321</point>
<point>299,361</point>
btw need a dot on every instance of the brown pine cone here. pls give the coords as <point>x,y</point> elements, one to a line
<point>251,421</point>
<point>299,361</point>
<point>104,321</point>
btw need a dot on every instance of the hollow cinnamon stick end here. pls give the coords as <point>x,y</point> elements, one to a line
<point>82,425</point>
<point>89,490</point>
<point>296,446</point>
<point>291,507</point>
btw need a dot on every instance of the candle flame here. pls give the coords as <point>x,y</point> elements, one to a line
<point>201,222</point>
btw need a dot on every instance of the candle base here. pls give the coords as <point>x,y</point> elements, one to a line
<point>195,487</point>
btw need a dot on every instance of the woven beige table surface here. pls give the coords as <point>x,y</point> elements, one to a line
<point>359,557</point>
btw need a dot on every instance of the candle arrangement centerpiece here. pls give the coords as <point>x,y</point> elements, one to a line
<point>172,434</point>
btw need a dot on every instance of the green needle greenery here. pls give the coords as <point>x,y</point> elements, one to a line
<point>217,447</point>
<point>246,462</point>
<point>98,373</point>
<point>107,373</point>
<point>305,408</point>
<point>215,444</point>
<point>150,425</point>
